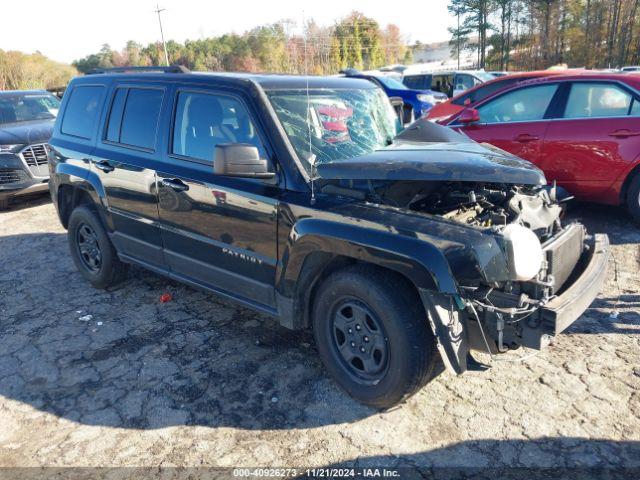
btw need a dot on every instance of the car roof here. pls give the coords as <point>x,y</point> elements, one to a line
<point>525,75</point>
<point>267,81</point>
<point>629,78</point>
<point>22,92</point>
<point>441,72</point>
<point>625,77</point>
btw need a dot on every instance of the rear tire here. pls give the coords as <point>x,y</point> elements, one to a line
<point>92,251</point>
<point>633,198</point>
<point>373,335</point>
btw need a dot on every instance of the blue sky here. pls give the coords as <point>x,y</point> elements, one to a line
<point>69,29</point>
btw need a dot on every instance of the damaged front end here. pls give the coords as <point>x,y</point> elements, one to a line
<point>553,271</point>
<point>546,273</point>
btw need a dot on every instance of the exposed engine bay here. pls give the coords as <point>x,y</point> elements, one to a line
<point>481,205</point>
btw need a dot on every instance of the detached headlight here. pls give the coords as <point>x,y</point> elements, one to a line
<point>427,98</point>
<point>10,148</point>
<point>524,252</point>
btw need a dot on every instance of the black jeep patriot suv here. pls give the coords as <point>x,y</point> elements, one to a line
<point>300,197</point>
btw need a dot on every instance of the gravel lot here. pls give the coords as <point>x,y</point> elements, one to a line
<point>200,381</point>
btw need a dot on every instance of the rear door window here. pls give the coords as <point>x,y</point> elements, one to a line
<point>140,117</point>
<point>521,105</point>
<point>82,111</point>
<point>597,100</point>
<point>133,120</point>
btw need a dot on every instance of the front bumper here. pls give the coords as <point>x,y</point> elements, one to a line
<point>535,330</point>
<point>578,293</point>
<point>26,188</point>
<point>566,308</point>
<point>17,178</point>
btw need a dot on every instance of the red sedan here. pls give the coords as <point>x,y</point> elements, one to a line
<point>442,111</point>
<point>582,130</point>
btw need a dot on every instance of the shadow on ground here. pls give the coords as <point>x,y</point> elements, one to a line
<point>120,358</point>
<point>548,458</point>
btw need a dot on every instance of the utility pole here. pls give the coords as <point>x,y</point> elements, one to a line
<point>458,38</point>
<point>164,45</point>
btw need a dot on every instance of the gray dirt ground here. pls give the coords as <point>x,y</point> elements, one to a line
<point>201,381</point>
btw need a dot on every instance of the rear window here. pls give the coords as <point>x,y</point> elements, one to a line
<point>417,82</point>
<point>82,111</point>
<point>134,117</point>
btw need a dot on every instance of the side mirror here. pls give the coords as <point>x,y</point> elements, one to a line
<point>240,160</point>
<point>469,115</point>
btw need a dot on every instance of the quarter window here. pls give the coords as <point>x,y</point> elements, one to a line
<point>82,111</point>
<point>522,105</point>
<point>588,100</point>
<point>204,120</point>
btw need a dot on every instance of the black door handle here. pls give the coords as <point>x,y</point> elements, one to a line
<point>175,184</point>
<point>105,166</point>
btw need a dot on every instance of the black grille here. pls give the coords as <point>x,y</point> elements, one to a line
<point>8,175</point>
<point>35,155</point>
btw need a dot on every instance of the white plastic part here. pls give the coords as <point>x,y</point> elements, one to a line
<point>523,250</point>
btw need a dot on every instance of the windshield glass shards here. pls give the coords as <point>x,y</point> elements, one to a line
<point>335,124</point>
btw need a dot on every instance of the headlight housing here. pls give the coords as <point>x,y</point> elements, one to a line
<point>524,252</point>
<point>10,148</point>
<point>426,98</point>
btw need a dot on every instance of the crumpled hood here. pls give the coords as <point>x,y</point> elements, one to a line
<point>37,131</point>
<point>435,161</point>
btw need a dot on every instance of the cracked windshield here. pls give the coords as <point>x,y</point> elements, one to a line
<point>335,124</point>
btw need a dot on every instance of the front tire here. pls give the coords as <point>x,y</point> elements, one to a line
<point>633,198</point>
<point>92,251</point>
<point>373,335</point>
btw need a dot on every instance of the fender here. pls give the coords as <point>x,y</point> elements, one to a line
<point>423,263</point>
<point>69,171</point>
<point>419,261</point>
<point>77,177</point>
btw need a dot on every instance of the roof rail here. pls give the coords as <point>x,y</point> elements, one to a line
<point>169,69</point>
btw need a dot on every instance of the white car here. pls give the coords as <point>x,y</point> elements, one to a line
<point>450,82</point>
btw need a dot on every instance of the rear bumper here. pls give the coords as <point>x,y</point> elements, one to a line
<point>566,308</point>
